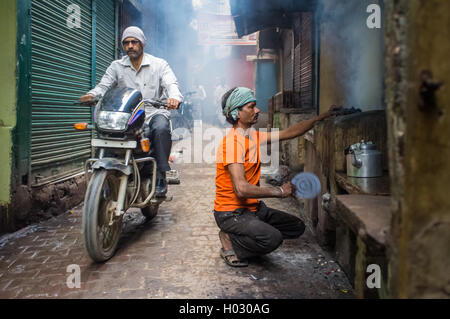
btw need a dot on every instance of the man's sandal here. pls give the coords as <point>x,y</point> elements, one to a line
<point>225,254</point>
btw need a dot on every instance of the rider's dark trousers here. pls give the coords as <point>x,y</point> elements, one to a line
<point>255,234</point>
<point>161,139</point>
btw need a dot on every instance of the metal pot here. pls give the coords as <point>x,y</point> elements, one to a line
<point>364,160</point>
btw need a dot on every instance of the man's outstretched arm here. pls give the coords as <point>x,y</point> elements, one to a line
<point>244,190</point>
<point>300,128</point>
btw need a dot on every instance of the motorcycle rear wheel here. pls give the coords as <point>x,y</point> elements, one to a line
<point>100,237</point>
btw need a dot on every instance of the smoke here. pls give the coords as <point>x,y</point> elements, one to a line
<point>174,28</point>
<point>166,25</point>
<point>357,51</point>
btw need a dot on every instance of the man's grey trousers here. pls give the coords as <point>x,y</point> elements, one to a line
<point>254,234</point>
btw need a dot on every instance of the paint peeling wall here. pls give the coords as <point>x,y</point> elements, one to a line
<point>419,145</point>
<point>8,25</point>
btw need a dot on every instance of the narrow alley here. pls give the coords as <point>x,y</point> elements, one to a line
<point>340,108</point>
<point>176,255</point>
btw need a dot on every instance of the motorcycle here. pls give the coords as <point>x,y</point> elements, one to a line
<point>124,173</point>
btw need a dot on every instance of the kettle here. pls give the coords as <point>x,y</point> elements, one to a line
<point>364,160</point>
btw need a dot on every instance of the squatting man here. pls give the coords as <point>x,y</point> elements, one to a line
<point>248,228</point>
<point>153,77</point>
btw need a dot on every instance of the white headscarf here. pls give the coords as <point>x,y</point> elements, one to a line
<point>134,32</point>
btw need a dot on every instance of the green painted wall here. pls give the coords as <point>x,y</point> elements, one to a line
<point>8,25</point>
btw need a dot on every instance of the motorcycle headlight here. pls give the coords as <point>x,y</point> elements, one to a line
<point>116,121</point>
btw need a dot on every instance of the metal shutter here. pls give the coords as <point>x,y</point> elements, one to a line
<point>303,60</point>
<point>288,64</point>
<point>306,85</point>
<point>297,67</point>
<point>61,72</point>
<point>105,37</point>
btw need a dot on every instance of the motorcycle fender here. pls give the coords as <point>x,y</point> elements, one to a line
<point>112,164</point>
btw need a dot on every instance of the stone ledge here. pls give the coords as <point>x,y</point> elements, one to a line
<point>366,215</point>
<point>378,186</point>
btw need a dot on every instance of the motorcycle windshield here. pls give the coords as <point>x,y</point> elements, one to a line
<point>120,99</point>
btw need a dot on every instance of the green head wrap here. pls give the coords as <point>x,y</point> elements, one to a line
<point>238,98</point>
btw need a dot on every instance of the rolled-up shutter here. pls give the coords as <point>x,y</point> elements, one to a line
<point>61,72</point>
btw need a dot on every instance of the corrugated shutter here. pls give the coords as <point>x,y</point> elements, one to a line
<point>105,37</point>
<point>61,73</point>
<point>303,61</point>
<point>306,58</point>
<point>288,64</point>
<point>297,67</point>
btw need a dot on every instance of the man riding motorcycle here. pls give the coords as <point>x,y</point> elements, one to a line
<point>152,76</point>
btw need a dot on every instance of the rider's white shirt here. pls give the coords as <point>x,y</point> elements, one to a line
<point>154,79</point>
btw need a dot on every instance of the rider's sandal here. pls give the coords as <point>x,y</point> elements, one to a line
<point>225,254</point>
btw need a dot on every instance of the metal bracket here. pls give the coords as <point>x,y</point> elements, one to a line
<point>428,90</point>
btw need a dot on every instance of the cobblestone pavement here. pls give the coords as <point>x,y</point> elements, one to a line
<point>174,256</point>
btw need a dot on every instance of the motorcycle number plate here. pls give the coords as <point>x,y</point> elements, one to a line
<point>113,144</point>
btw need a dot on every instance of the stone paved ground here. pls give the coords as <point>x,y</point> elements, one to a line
<point>174,256</point>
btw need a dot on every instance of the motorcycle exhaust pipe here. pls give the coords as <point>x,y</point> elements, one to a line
<point>149,197</point>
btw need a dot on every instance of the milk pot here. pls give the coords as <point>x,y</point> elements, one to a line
<point>364,160</point>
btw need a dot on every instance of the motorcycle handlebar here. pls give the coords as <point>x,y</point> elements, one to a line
<point>157,103</point>
<point>160,103</point>
<point>89,103</point>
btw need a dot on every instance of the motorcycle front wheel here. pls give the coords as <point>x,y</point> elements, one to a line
<point>101,227</point>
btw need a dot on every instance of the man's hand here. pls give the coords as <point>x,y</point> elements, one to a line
<point>173,104</point>
<point>88,98</point>
<point>287,189</point>
<point>334,110</point>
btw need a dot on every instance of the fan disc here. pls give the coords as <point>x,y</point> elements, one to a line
<point>307,185</point>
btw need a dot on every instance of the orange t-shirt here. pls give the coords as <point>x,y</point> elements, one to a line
<point>237,148</point>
